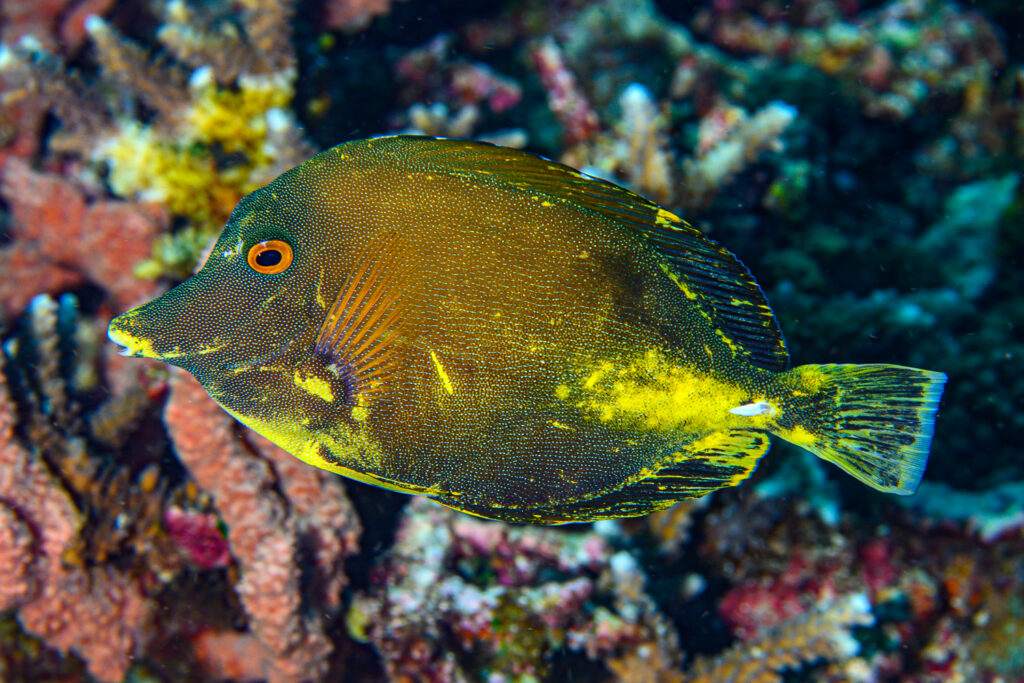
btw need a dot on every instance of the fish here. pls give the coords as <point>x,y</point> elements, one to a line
<point>511,338</point>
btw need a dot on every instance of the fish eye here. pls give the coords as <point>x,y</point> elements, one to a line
<point>270,257</point>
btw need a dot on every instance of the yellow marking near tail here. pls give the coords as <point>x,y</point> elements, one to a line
<point>651,393</point>
<point>799,436</point>
<point>446,381</point>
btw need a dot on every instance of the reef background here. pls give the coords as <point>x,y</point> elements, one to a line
<point>862,157</point>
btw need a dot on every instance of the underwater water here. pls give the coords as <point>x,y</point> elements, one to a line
<point>862,158</point>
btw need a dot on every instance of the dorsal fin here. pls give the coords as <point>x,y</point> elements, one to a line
<point>710,274</point>
<point>357,338</point>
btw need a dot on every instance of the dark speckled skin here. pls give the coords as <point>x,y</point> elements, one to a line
<point>496,342</point>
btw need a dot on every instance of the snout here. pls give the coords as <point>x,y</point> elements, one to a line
<point>124,332</point>
<point>138,338</point>
<point>172,328</point>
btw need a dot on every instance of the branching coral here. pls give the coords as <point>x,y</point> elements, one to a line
<point>458,93</point>
<point>99,612</point>
<point>91,545</point>
<point>269,501</point>
<point>935,593</point>
<point>194,144</point>
<point>638,152</point>
<point>823,633</point>
<point>565,97</point>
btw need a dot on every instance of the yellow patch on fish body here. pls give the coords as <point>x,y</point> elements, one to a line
<point>654,394</point>
<point>315,386</point>
<point>511,338</point>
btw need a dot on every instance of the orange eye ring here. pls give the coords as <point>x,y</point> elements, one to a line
<point>270,257</point>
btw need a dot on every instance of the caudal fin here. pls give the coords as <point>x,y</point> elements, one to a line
<point>874,421</point>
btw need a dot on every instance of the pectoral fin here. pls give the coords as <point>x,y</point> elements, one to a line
<point>357,338</point>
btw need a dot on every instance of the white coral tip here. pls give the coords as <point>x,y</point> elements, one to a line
<point>94,24</point>
<point>201,78</point>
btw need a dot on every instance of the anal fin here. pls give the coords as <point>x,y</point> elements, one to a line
<point>718,460</point>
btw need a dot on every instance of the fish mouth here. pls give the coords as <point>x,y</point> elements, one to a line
<point>131,346</point>
<point>124,331</point>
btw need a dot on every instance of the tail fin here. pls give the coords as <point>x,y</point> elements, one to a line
<point>874,421</point>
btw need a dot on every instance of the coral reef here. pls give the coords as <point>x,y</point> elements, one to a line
<point>93,546</point>
<point>823,633</point>
<point>98,612</point>
<point>265,527</point>
<point>863,159</point>
<point>194,144</point>
<point>459,598</point>
<point>893,59</point>
<point>60,241</point>
<point>931,590</point>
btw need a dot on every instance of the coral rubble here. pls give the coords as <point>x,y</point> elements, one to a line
<point>459,598</point>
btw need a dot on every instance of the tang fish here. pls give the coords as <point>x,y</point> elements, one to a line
<point>511,338</point>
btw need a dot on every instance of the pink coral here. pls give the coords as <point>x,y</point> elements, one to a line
<point>484,583</point>
<point>353,15</point>
<point>323,515</point>
<point>565,97</point>
<point>264,526</point>
<point>198,535</point>
<point>60,240</point>
<point>15,558</point>
<point>99,613</point>
<point>474,83</point>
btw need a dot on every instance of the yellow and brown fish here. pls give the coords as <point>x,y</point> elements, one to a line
<point>510,338</point>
